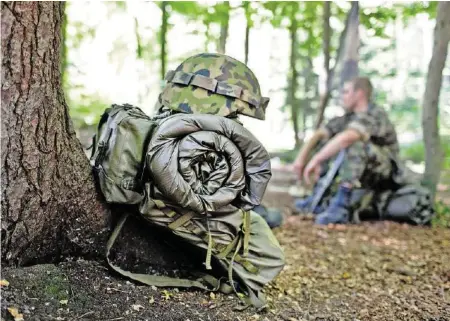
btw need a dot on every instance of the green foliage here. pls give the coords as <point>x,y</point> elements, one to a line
<point>87,110</point>
<point>287,157</point>
<point>190,9</point>
<point>415,152</point>
<point>82,33</point>
<point>442,218</point>
<point>405,114</point>
<point>194,11</point>
<point>375,19</point>
<point>415,8</point>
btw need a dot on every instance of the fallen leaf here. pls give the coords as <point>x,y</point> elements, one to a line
<point>400,270</point>
<point>64,302</point>
<point>137,307</point>
<point>212,296</point>
<point>166,295</point>
<point>4,283</point>
<point>15,314</point>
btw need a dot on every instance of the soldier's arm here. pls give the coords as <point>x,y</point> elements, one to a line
<point>310,144</point>
<point>338,142</point>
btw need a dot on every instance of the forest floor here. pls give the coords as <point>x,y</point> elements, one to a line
<point>373,271</point>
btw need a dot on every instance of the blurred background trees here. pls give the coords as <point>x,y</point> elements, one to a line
<point>301,51</point>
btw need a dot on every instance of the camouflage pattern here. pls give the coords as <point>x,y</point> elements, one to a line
<point>373,125</point>
<point>213,84</point>
<point>366,165</point>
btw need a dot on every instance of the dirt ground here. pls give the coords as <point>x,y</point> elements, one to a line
<point>374,271</point>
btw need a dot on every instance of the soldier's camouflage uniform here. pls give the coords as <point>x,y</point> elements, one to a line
<point>371,161</point>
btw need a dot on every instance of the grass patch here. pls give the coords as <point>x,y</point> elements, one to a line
<point>442,217</point>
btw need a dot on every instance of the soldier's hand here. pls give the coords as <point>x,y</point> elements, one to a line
<point>298,168</point>
<point>313,168</point>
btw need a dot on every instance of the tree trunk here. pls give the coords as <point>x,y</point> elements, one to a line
<point>309,89</point>
<point>326,62</point>
<point>50,206</point>
<point>430,126</point>
<point>351,56</point>
<point>247,29</point>
<point>207,35</point>
<point>332,72</point>
<point>139,49</point>
<point>224,29</point>
<point>163,39</point>
<point>293,79</point>
<point>64,48</point>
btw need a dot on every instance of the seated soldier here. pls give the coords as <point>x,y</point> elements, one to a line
<point>370,143</point>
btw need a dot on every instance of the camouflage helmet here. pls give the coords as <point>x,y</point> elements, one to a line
<point>213,84</point>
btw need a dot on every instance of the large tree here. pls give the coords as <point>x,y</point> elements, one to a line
<point>430,122</point>
<point>331,71</point>
<point>49,204</point>
<point>223,10</point>
<point>163,36</point>
<point>352,42</point>
<point>293,75</point>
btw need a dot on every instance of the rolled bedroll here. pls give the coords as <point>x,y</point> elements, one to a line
<point>206,173</point>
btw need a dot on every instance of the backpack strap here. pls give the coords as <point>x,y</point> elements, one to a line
<point>225,252</point>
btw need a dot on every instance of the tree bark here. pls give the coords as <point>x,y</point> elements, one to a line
<point>50,206</point>
<point>332,72</point>
<point>224,29</point>
<point>247,29</point>
<point>139,49</point>
<point>309,89</point>
<point>293,79</point>
<point>430,125</point>
<point>351,56</point>
<point>64,48</point>
<point>163,39</point>
<point>326,63</point>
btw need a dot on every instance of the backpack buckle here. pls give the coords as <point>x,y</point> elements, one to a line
<point>129,184</point>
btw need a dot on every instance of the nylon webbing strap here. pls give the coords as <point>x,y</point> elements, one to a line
<point>157,280</point>
<point>226,250</point>
<point>246,231</point>
<point>218,87</point>
<point>181,220</point>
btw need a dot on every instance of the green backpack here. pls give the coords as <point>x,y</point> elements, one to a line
<point>118,154</point>
<point>118,161</point>
<point>410,203</point>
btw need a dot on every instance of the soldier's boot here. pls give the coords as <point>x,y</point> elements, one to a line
<point>272,216</point>
<point>303,205</point>
<point>339,210</point>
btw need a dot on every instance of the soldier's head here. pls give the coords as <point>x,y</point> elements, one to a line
<point>356,93</point>
<point>213,84</point>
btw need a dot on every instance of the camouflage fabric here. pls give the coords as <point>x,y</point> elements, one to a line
<point>213,84</point>
<point>373,125</point>
<point>366,165</point>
